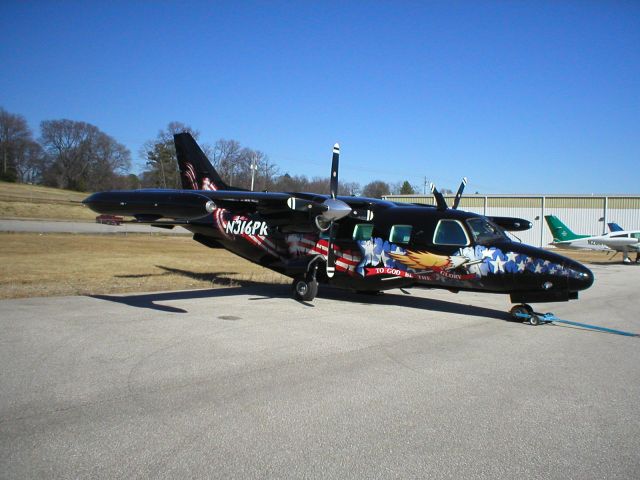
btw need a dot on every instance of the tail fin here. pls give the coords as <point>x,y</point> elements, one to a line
<point>614,227</point>
<point>559,230</point>
<point>196,170</point>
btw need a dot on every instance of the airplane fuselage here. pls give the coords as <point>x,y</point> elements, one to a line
<point>618,241</point>
<point>402,247</point>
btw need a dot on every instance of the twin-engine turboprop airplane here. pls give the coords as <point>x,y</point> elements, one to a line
<point>357,243</point>
<point>618,240</point>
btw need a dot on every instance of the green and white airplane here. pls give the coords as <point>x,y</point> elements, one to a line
<point>624,241</point>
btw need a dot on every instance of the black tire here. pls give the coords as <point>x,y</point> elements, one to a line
<point>534,320</point>
<point>304,290</point>
<point>519,309</point>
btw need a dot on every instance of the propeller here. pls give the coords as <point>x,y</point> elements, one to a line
<point>336,210</point>
<point>463,184</point>
<point>329,212</point>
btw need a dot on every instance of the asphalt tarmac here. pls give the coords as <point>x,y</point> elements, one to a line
<point>247,383</point>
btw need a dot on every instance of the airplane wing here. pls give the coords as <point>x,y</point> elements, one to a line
<point>184,205</point>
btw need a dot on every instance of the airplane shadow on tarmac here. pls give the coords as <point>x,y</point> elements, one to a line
<point>265,291</point>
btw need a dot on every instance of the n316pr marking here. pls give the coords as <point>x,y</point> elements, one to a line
<point>248,227</point>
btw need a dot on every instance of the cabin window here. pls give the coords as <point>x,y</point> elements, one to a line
<point>484,231</point>
<point>362,231</point>
<point>636,235</point>
<point>400,234</point>
<point>450,232</point>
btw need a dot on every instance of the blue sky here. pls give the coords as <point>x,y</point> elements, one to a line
<point>521,97</point>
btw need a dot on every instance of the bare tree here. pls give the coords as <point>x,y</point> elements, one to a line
<point>349,188</point>
<point>30,162</point>
<point>376,189</point>
<point>16,142</point>
<point>234,164</point>
<point>225,158</point>
<point>80,156</point>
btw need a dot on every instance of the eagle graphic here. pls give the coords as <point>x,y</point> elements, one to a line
<point>431,261</point>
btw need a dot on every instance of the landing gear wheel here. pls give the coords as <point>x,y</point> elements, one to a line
<point>534,320</point>
<point>521,312</point>
<point>304,290</point>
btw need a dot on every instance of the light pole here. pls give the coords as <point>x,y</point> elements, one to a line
<point>254,167</point>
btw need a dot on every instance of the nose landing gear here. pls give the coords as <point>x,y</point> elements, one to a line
<point>525,312</point>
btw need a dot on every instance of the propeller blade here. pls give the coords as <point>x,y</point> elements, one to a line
<point>440,201</point>
<point>331,254</point>
<point>334,171</point>
<point>463,184</point>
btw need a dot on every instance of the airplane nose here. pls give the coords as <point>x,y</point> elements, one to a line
<point>581,277</point>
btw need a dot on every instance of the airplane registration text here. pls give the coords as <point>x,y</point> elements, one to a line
<point>247,227</point>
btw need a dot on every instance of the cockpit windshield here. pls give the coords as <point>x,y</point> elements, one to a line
<point>484,231</point>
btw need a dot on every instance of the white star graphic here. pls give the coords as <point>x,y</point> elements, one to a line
<point>488,253</point>
<point>511,257</point>
<point>498,265</point>
<point>521,266</point>
<point>538,268</point>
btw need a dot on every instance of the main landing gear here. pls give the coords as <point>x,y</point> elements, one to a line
<point>525,312</point>
<point>305,287</point>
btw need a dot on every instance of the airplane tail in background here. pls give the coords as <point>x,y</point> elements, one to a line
<point>196,170</point>
<point>559,230</point>
<point>614,227</point>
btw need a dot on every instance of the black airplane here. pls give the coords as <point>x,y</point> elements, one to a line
<point>363,244</point>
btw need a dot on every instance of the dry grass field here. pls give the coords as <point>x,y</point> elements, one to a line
<point>71,264</point>
<point>68,264</point>
<point>18,200</point>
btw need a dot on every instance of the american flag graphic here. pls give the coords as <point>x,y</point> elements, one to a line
<point>309,244</point>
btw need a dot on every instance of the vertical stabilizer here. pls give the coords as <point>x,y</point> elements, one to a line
<point>560,232</point>
<point>196,171</point>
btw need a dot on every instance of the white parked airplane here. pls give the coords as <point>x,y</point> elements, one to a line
<point>624,241</point>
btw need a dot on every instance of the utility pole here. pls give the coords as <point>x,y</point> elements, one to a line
<point>254,167</point>
<point>424,190</point>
